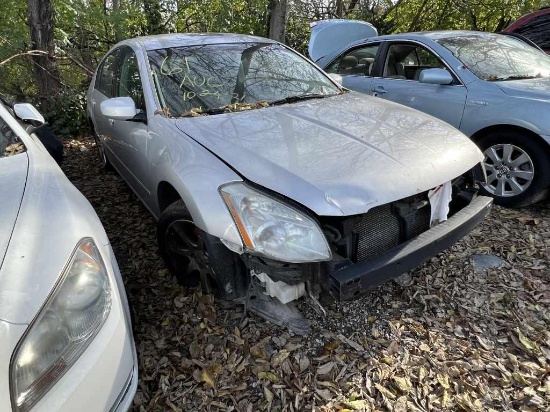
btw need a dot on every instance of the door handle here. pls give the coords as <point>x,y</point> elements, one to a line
<point>111,121</point>
<point>378,90</point>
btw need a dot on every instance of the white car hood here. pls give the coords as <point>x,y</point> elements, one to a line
<point>13,176</point>
<point>53,217</point>
<point>337,156</point>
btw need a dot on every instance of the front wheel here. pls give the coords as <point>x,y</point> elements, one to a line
<point>197,258</point>
<point>518,168</point>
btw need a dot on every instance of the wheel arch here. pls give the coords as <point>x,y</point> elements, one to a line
<point>480,134</point>
<point>206,207</point>
<point>166,195</point>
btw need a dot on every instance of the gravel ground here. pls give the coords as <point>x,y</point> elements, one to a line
<point>460,338</point>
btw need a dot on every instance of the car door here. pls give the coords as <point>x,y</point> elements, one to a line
<point>355,66</point>
<point>104,88</point>
<point>398,80</point>
<point>130,137</point>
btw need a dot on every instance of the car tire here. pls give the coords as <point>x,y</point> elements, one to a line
<point>101,152</point>
<point>518,168</point>
<point>196,258</point>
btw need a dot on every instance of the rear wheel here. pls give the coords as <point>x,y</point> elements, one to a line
<point>518,168</point>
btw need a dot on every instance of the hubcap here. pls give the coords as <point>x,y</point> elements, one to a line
<point>188,255</point>
<point>510,170</point>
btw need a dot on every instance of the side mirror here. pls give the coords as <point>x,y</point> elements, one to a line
<point>118,108</point>
<point>28,113</point>
<point>337,78</point>
<point>435,76</point>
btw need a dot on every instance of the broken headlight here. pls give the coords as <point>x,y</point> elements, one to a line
<point>273,229</point>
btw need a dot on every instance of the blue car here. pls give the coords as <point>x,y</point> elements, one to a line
<point>494,88</point>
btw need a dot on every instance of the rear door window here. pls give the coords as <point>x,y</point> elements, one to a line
<point>359,61</point>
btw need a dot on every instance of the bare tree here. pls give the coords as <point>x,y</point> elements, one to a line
<point>277,20</point>
<point>45,67</point>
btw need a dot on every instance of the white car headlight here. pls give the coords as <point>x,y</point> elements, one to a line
<point>64,327</point>
<point>273,229</point>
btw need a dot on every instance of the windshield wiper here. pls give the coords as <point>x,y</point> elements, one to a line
<point>299,98</point>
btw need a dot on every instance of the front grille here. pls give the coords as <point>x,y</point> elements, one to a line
<point>384,227</point>
<point>377,231</point>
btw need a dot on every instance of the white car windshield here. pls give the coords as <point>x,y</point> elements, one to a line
<point>247,75</point>
<point>496,57</point>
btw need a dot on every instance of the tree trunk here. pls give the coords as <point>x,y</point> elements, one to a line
<point>45,68</point>
<point>277,20</point>
<point>118,31</point>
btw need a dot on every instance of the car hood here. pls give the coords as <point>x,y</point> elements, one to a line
<point>53,217</point>
<point>530,88</point>
<point>337,156</point>
<point>13,176</point>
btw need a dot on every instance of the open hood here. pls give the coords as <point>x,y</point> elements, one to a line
<point>13,177</point>
<point>329,37</point>
<point>340,155</point>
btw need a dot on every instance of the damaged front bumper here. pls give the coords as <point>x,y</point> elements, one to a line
<point>347,280</point>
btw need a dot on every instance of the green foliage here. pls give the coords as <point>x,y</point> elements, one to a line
<point>66,113</point>
<point>486,15</point>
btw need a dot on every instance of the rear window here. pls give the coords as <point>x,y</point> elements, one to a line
<point>10,145</point>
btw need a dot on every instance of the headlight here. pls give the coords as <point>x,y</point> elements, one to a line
<point>64,327</point>
<point>273,229</point>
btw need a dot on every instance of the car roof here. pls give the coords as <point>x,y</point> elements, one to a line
<point>162,41</point>
<point>434,35</point>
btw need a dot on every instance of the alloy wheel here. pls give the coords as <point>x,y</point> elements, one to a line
<point>188,253</point>
<point>510,170</point>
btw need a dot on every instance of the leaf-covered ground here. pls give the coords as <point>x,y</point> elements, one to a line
<point>459,339</point>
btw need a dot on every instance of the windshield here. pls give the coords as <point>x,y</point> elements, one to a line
<point>495,57</point>
<point>9,142</point>
<point>247,75</point>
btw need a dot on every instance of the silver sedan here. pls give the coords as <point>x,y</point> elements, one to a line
<point>269,181</point>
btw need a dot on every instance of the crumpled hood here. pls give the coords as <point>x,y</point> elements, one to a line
<point>337,156</point>
<point>530,88</point>
<point>13,176</point>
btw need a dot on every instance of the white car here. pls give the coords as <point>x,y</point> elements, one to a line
<point>65,330</point>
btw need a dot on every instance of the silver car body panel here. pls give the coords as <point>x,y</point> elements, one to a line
<point>337,156</point>
<point>307,151</point>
